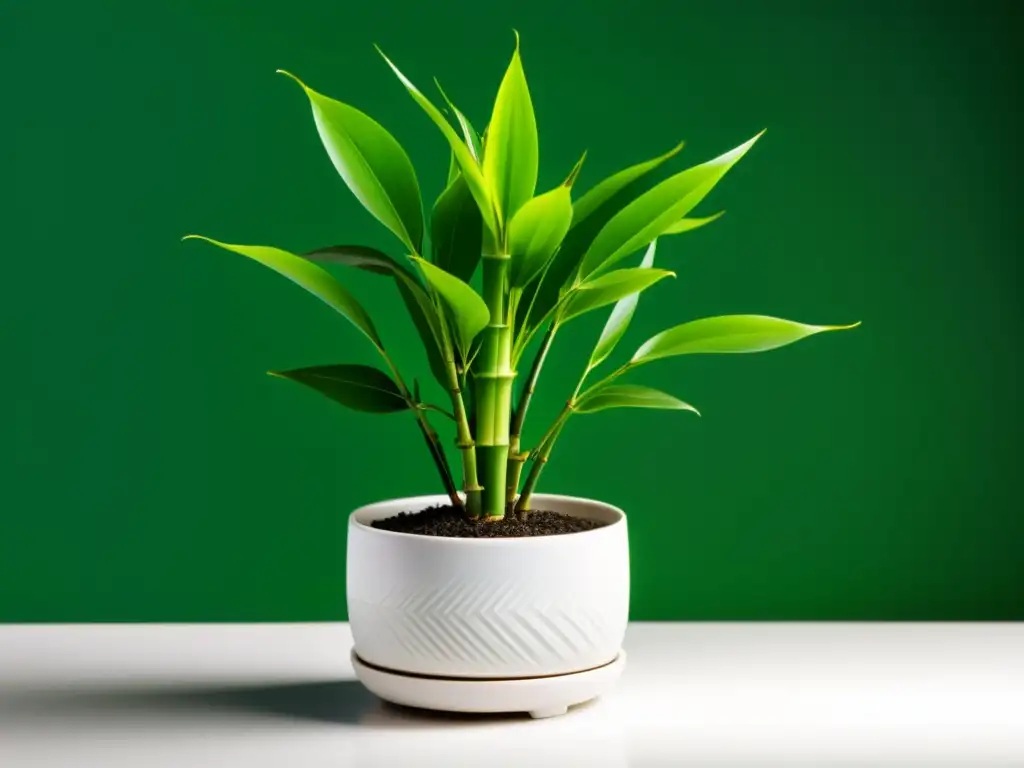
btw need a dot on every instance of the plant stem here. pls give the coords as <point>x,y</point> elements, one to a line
<point>464,442</point>
<point>494,388</point>
<point>429,434</point>
<point>543,450</point>
<point>516,457</point>
<point>540,459</point>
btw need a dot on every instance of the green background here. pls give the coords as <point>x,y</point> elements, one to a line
<point>151,471</point>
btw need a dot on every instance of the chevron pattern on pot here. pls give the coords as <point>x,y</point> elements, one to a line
<point>488,628</point>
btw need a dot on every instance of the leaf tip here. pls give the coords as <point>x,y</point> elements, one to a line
<point>276,374</point>
<point>288,74</point>
<point>516,33</point>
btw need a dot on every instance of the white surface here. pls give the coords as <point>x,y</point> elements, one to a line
<point>539,696</point>
<point>149,696</point>
<point>456,607</point>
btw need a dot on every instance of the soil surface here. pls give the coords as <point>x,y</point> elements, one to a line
<point>450,521</point>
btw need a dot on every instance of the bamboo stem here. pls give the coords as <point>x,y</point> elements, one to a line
<point>465,443</point>
<point>494,388</point>
<point>517,458</point>
<point>429,434</point>
<point>540,459</point>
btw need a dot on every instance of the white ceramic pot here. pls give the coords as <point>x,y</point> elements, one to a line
<point>488,608</point>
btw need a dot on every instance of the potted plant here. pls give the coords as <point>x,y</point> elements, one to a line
<point>492,596</point>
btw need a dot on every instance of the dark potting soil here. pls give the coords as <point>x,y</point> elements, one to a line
<point>450,521</point>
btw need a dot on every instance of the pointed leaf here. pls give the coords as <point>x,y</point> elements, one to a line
<point>360,387</point>
<point>456,231</point>
<point>590,214</point>
<point>372,163</point>
<point>535,233</point>
<point>468,310</point>
<point>314,279</point>
<point>510,160</point>
<point>629,396</point>
<point>609,288</point>
<point>650,214</point>
<point>417,303</point>
<point>685,225</point>
<point>728,334</point>
<point>598,195</point>
<point>621,316</point>
<point>575,172</point>
<point>469,134</point>
<point>467,164</point>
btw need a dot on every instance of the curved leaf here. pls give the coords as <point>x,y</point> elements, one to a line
<point>629,396</point>
<point>590,213</point>
<point>728,334</point>
<point>598,195</point>
<point>618,321</point>
<point>467,164</point>
<point>372,163</point>
<point>417,303</point>
<point>468,310</point>
<point>654,211</point>
<point>360,256</point>
<point>456,231</point>
<point>609,288</point>
<point>360,387</point>
<point>469,134</point>
<point>510,158</point>
<point>685,225</point>
<point>314,279</point>
<point>535,233</point>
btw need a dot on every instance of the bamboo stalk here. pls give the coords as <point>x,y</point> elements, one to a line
<point>517,458</point>
<point>494,389</point>
<point>540,459</point>
<point>429,434</point>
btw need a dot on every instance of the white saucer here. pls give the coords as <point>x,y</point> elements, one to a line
<point>539,696</point>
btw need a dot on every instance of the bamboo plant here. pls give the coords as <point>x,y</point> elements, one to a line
<point>543,259</point>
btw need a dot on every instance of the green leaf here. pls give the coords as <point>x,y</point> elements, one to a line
<point>469,134</point>
<point>629,396</point>
<point>453,170</point>
<point>456,231</point>
<point>510,159</point>
<point>360,256</point>
<point>535,233</point>
<point>654,211</point>
<point>467,164</point>
<point>590,214</point>
<point>598,195</point>
<point>575,172</point>
<point>417,303</point>
<point>685,225</point>
<point>728,334</point>
<point>468,310</point>
<point>360,387</point>
<point>372,163</point>
<point>314,279</point>
<point>621,316</point>
<point>609,288</point>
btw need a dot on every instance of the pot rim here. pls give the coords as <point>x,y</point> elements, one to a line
<point>505,541</point>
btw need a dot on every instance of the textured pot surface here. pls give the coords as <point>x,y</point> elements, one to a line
<point>523,607</point>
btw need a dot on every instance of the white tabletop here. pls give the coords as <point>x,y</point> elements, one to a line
<point>283,695</point>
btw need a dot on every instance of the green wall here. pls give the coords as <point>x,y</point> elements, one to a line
<point>149,470</point>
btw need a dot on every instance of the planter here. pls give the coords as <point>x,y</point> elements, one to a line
<point>454,623</point>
